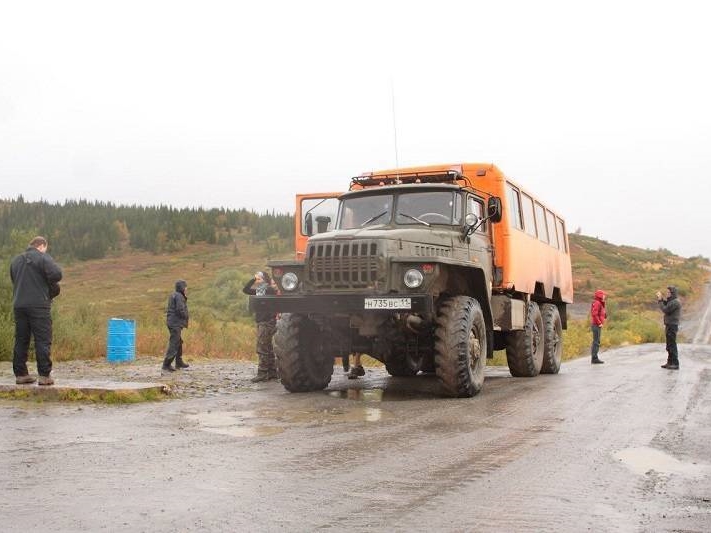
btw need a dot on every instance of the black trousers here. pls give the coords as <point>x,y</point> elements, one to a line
<point>32,322</point>
<point>670,333</point>
<point>175,346</point>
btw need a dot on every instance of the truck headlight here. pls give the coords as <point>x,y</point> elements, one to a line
<point>413,278</point>
<point>289,281</point>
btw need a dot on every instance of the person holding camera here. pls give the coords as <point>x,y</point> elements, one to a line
<point>671,307</point>
<point>35,281</point>
<point>261,284</point>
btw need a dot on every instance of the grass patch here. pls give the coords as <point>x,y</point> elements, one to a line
<point>122,397</point>
<point>75,395</point>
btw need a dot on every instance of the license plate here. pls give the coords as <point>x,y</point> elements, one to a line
<point>388,303</point>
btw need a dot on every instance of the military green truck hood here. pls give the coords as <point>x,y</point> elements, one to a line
<point>417,235</point>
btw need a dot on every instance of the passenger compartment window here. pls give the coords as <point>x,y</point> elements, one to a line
<point>514,206</point>
<point>561,235</point>
<point>541,223</point>
<point>551,224</point>
<point>529,222</point>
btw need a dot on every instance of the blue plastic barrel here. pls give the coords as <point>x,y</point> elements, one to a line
<point>121,340</point>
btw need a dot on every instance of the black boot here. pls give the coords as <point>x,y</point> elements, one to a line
<point>262,375</point>
<point>179,363</point>
<point>166,365</point>
<point>262,370</point>
<point>596,361</point>
<point>356,371</point>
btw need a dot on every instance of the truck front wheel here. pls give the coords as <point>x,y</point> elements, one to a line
<point>460,346</point>
<point>524,348</point>
<point>303,365</point>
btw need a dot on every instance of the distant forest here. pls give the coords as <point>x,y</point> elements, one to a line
<point>79,229</point>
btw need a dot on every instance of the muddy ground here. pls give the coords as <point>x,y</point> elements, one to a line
<point>624,446</point>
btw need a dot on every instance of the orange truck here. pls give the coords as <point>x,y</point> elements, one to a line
<point>426,269</point>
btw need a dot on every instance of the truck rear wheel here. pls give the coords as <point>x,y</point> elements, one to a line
<point>552,339</point>
<point>460,346</point>
<point>524,348</point>
<point>303,366</point>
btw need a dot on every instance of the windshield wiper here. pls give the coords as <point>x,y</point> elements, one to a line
<point>371,219</point>
<point>415,219</point>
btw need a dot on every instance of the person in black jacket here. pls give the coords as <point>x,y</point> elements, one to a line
<point>260,285</point>
<point>176,319</point>
<point>35,281</point>
<point>671,307</point>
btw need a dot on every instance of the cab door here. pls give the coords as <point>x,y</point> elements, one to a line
<point>315,213</point>
<point>480,247</point>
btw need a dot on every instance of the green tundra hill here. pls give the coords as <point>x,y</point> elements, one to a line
<point>132,277</point>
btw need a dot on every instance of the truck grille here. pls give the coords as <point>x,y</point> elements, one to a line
<point>346,265</point>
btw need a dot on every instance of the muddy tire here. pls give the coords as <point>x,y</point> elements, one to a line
<point>552,339</point>
<point>303,366</point>
<point>524,348</point>
<point>460,346</point>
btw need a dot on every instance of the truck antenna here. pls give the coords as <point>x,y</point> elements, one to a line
<point>392,93</point>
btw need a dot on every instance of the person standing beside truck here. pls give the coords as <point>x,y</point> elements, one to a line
<point>260,285</point>
<point>671,307</point>
<point>35,281</point>
<point>598,314</point>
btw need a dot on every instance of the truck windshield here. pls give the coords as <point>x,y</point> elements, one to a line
<point>361,211</point>
<point>411,208</point>
<point>428,207</point>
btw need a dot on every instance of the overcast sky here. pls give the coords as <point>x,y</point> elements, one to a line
<point>600,108</point>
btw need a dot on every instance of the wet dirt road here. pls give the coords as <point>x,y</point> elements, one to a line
<point>624,446</point>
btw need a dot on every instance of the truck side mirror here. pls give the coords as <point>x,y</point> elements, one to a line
<point>309,224</point>
<point>493,208</point>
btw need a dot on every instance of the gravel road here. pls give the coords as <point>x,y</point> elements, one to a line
<point>624,446</point>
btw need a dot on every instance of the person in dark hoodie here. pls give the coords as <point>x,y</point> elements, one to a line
<point>260,285</point>
<point>598,314</point>
<point>176,319</point>
<point>35,281</point>
<point>671,307</point>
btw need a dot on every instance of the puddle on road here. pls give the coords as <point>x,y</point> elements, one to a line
<point>267,422</point>
<point>233,424</point>
<point>364,395</point>
<point>380,395</point>
<point>642,460</point>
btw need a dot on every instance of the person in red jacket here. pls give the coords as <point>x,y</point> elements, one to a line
<point>597,319</point>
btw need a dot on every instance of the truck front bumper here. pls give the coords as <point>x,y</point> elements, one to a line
<point>327,304</point>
